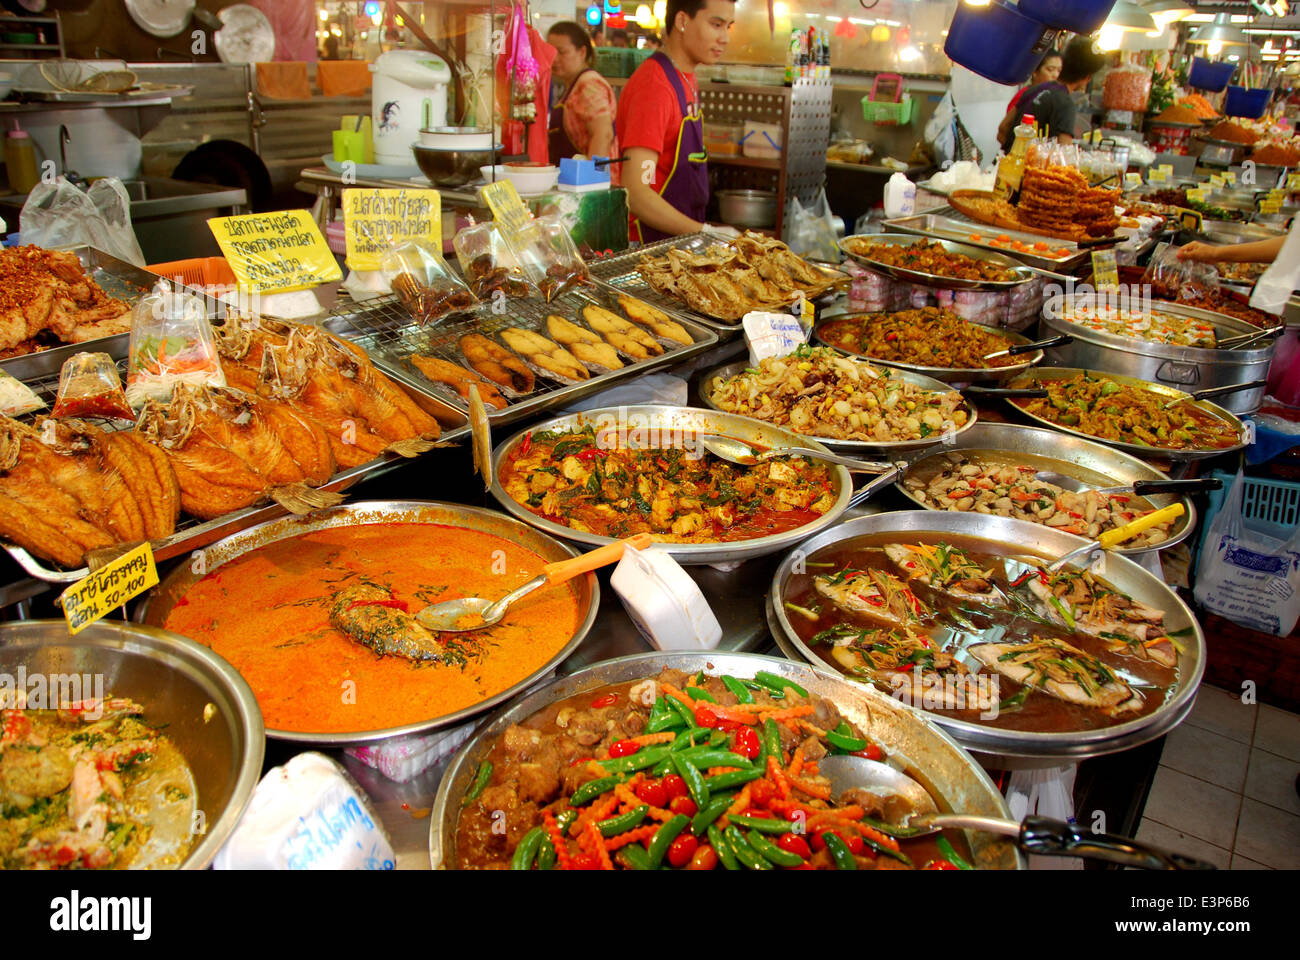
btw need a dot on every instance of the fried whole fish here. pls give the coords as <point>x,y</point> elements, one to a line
<point>373,617</point>
<point>458,378</point>
<point>495,362</point>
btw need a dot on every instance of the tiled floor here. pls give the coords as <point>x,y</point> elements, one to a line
<point>1226,787</point>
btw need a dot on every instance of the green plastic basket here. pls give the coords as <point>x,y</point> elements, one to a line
<point>886,113</point>
<point>613,61</point>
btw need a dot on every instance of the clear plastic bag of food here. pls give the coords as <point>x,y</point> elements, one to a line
<point>1127,87</point>
<point>424,283</point>
<point>548,256</point>
<point>488,263</point>
<point>1172,279</point>
<point>171,343</point>
<point>90,387</point>
<point>16,398</point>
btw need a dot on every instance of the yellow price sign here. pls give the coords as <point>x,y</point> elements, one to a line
<point>1190,220</point>
<point>1270,206</point>
<point>1105,269</point>
<point>1218,180</point>
<point>503,200</point>
<point>1293,181</point>
<point>1230,177</point>
<point>94,596</point>
<point>375,221</point>
<point>1196,195</point>
<point>1132,180</point>
<point>275,252</point>
<point>1157,175</point>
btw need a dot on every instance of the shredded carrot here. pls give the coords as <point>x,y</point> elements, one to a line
<point>840,813</point>
<point>884,839</point>
<point>732,714</point>
<point>648,738</point>
<point>595,813</point>
<point>796,763</point>
<point>812,789</point>
<point>789,713</point>
<point>676,694</point>
<point>625,793</point>
<point>597,844</point>
<point>777,777</point>
<point>787,807</point>
<point>635,835</point>
<point>714,771</point>
<point>557,841</point>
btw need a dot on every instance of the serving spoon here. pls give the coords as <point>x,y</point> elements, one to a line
<point>737,451</point>
<point>1063,340</point>
<point>475,613</point>
<point>1217,392</point>
<point>1037,835</point>
<point>1139,487</point>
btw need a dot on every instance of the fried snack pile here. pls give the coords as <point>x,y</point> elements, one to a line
<point>46,297</point>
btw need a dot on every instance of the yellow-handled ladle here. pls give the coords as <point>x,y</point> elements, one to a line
<point>1113,538</point>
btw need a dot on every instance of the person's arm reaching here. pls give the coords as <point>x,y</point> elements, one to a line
<point>600,131</point>
<point>646,205</point>
<point>1260,251</point>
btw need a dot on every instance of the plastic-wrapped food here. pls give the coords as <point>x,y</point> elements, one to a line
<point>548,256</point>
<point>16,398</point>
<point>90,387</point>
<point>424,283</point>
<point>488,264</point>
<point>171,343</point>
<point>1127,88</point>
<point>1172,279</point>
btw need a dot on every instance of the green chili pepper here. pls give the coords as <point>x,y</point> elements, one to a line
<point>722,848</point>
<point>592,789</point>
<point>623,823</point>
<point>768,850</point>
<point>738,689</point>
<point>694,780</point>
<point>746,854</point>
<point>664,836</point>
<point>839,852</point>
<point>546,854</point>
<point>764,824</point>
<point>847,744</point>
<point>772,739</point>
<point>716,808</point>
<point>645,757</point>
<point>695,693</point>
<point>772,682</point>
<point>712,757</point>
<point>951,855</point>
<point>634,856</point>
<point>480,782</point>
<point>725,781</point>
<point>527,849</point>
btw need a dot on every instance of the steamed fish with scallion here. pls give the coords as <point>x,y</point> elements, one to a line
<point>1079,601</point>
<point>1064,671</point>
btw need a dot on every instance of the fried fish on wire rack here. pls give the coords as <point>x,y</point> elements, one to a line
<point>68,488</point>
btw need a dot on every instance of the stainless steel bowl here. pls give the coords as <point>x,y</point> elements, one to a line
<point>451,168</point>
<point>654,419</point>
<point>176,680</point>
<point>1018,538</point>
<point>947,771</point>
<point>747,208</point>
<point>1022,273</point>
<point>172,590</point>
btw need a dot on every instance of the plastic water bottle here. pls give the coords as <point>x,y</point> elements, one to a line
<point>900,196</point>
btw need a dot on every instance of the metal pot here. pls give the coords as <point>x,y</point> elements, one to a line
<point>747,208</point>
<point>678,421</point>
<point>1185,368</point>
<point>159,603</point>
<point>947,771</point>
<point>1018,538</point>
<point>177,681</point>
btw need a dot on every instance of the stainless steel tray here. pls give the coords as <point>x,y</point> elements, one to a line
<point>1023,274</point>
<point>1018,538</point>
<point>1085,460</point>
<point>947,374</point>
<point>1044,374</point>
<point>960,230</point>
<point>657,418</point>
<point>159,602</point>
<point>866,447</point>
<point>959,784</point>
<point>623,274</point>
<point>386,330</point>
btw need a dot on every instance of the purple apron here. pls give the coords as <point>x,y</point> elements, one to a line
<point>558,143</point>
<point>687,186</point>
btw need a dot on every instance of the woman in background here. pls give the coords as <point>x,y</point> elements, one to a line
<point>1048,69</point>
<point>582,118</point>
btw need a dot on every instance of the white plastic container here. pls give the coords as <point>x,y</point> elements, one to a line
<point>663,601</point>
<point>761,140</point>
<point>409,92</point>
<point>900,196</point>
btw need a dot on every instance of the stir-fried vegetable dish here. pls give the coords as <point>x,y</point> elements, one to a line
<point>929,337</point>
<point>926,256</point>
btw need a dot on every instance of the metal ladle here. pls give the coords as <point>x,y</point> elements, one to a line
<point>737,451</point>
<point>475,613</point>
<point>1037,835</point>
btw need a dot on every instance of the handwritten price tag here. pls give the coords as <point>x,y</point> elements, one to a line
<point>503,200</point>
<point>1105,269</point>
<point>94,596</point>
<point>275,252</point>
<point>375,221</point>
<point>1230,178</point>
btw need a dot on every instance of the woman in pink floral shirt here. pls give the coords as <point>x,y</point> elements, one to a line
<point>582,119</point>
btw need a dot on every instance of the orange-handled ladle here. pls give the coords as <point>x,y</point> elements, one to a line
<point>475,613</point>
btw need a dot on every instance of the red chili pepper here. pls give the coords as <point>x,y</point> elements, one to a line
<point>623,748</point>
<point>870,752</point>
<point>1119,498</point>
<point>527,444</point>
<point>589,455</point>
<point>1077,516</point>
<point>608,700</point>
<point>1022,578</point>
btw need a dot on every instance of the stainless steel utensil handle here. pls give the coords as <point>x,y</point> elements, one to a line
<point>1053,838</point>
<point>513,595</point>
<point>1007,392</point>
<point>1064,340</point>
<point>853,463</point>
<point>875,486</point>
<point>1143,487</point>
<point>1231,388</point>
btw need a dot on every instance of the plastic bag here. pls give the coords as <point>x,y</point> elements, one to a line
<point>1127,88</point>
<point>424,283</point>
<point>1248,577</point>
<point>488,264</point>
<point>58,215</point>
<point>90,387</point>
<point>812,231</point>
<point>548,256</point>
<point>1174,279</point>
<point>16,398</point>
<point>171,343</point>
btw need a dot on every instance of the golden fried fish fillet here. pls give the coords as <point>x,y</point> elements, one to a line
<point>458,378</point>
<point>497,363</point>
<point>656,320</point>
<point>582,343</point>
<point>547,354</point>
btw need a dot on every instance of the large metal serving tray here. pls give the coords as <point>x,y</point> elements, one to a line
<point>388,333</point>
<point>623,274</point>
<point>955,227</point>
<point>1022,273</point>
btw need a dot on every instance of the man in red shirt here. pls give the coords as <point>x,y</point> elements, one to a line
<point>660,126</point>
